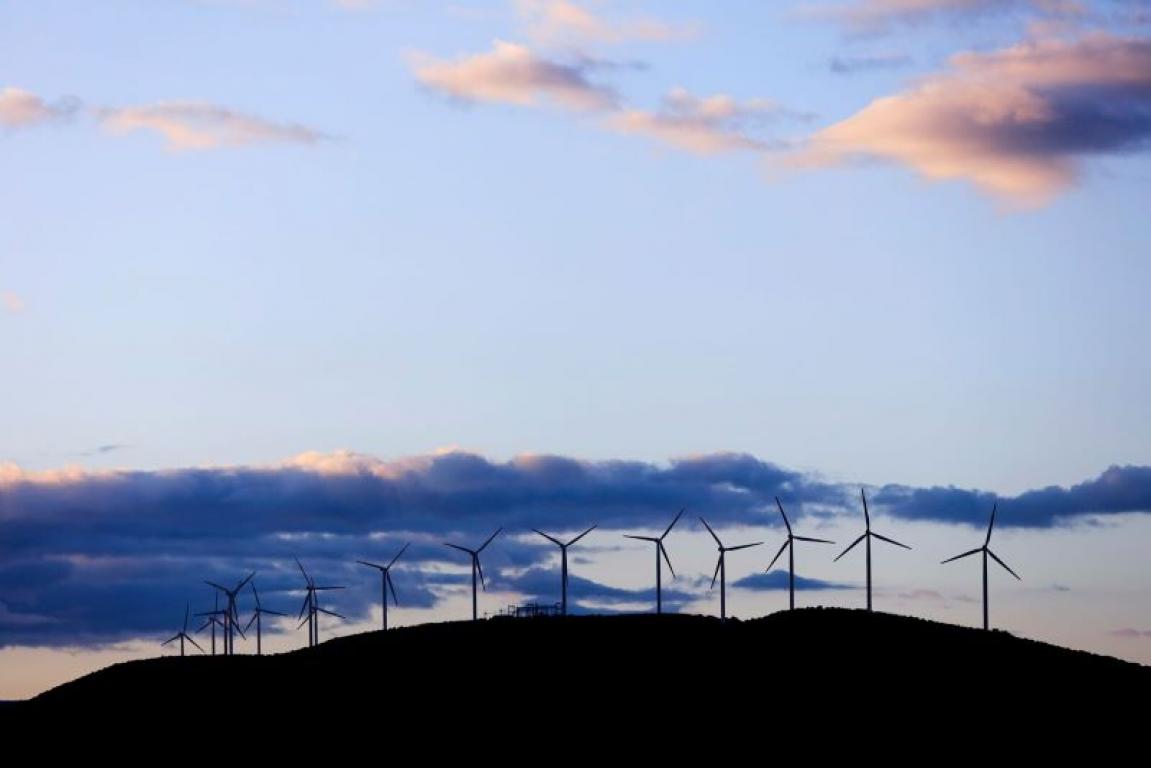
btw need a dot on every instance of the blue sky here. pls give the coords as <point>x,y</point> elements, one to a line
<point>868,242</point>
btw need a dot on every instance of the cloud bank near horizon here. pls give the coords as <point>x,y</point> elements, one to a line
<point>91,557</point>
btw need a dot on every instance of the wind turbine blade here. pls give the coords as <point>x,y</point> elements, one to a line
<point>991,525</point>
<point>391,586</point>
<point>890,541</point>
<point>325,589</point>
<point>673,522</point>
<point>457,546</point>
<point>552,539</point>
<point>400,554</point>
<point>777,554</point>
<point>666,559</point>
<point>186,609</point>
<point>193,642</point>
<point>272,613</point>
<point>307,578</point>
<point>236,626</point>
<point>489,541</point>
<point>965,554</point>
<point>786,522</point>
<point>207,624</point>
<point>866,514</point>
<point>332,613</point>
<point>170,640</point>
<point>640,538</point>
<point>585,533</point>
<point>744,546</point>
<point>305,621</point>
<point>307,603</point>
<point>256,594</point>
<point>814,541</point>
<point>217,586</point>
<point>709,530</point>
<point>850,547</point>
<point>715,575</point>
<point>480,568</point>
<point>995,557</point>
<point>252,620</point>
<point>247,578</point>
<point>370,565</point>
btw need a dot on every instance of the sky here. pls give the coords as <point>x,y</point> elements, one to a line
<point>315,278</point>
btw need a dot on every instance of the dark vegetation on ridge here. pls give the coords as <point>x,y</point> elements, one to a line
<point>533,674</point>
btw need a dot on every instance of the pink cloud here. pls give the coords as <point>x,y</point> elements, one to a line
<point>21,109</point>
<point>1015,122</point>
<point>1130,633</point>
<point>514,74</point>
<point>196,125</point>
<point>703,125</point>
<point>551,22</point>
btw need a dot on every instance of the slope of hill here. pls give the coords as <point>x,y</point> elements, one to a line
<point>537,674</point>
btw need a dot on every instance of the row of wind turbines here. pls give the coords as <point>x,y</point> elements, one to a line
<point>227,619</point>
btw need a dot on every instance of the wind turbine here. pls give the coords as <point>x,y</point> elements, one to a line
<point>312,607</point>
<point>564,563</point>
<point>213,621</point>
<point>183,635</point>
<point>659,550</point>
<point>866,537</point>
<point>986,550</point>
<point>721,568</point>
<point>256,617</point>
<point>231,615</point>
<point>476,568</point>
<point>789,545</point>
<point>386,581</point>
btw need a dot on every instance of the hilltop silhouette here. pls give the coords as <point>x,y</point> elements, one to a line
<point>538,675</point>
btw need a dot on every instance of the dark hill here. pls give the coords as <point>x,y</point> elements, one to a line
<point>535,676</point>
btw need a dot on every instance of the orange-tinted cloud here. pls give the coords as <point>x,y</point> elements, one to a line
<point>196,125</point>
<point>514,74</point>
<point>1016,122</point>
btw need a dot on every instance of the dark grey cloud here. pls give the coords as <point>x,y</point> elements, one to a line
<point>1118,490</point>
<point>98,557</point>
<point>542,586</point>
<point>776,580</point>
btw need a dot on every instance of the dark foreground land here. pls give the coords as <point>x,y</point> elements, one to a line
<point>669,677</point>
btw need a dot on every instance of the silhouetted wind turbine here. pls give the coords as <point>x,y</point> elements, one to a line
<point>721,568</point>
<point>386,581</point>
<point>986,550</point>
<point>259,612</point>
<point>213,621</point>
<point>476,568</point>
<point>312,607</point>
<point>659,550</point>
<point>183,635</point>
<point>866,537</point>
<point>564,563</point>
<point>231,615</point>
<point>789,545</point>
